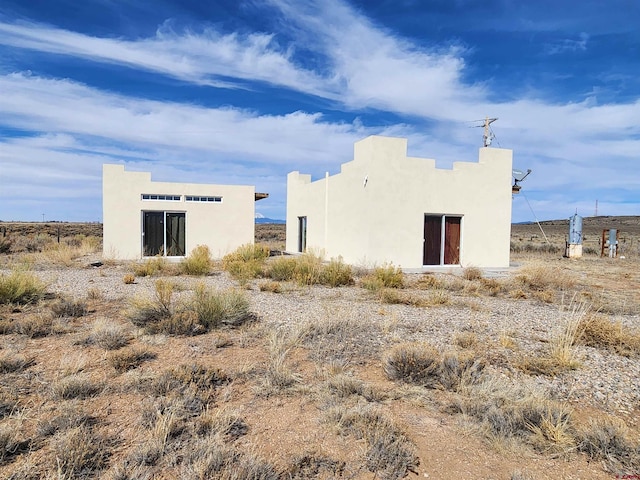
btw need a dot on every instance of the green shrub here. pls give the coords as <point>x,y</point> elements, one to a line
<point>336,273</point>
<point>386,276</point>
<point>198,262</point>
<point>308,269</point>
<point>246,262</point>
<point>282,268</point>
<point>21,287</point>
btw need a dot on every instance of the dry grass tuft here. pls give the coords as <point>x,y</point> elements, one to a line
<point>129,279</point>
<point>108,335</point>
<point>282,268</point>
<point>129,358</point>
<point>154,266</point>
<point>273,287</point>
<point>508,410</point>
<point>75,386</point>
<point>609,440</point>
<point>390,454</point>
<point>541,277</point>
<point>10,443</point>
<point>80,452</point>
<point>336,273</point>
<point>416,363</point>
<point>206,310</point>
<point>73,308</point>
<point>10,363</point>
<point>600,332</point>
<point>472,273</point>
<point>20,287</point>
<point>314,465</point>
<point>561,354</point>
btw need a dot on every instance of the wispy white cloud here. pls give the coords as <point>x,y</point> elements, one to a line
<point>568,45</point>
<point>76,128</point>
<point>206,57</point>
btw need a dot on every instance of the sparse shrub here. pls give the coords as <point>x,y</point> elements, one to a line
<point>14,363</point>
<point>129,358</point>
<point>336,273</point>
<point>223,307</point>
<point>308,269</point>
<point>10,443</point>
<point>609,440</point>
<point>600,332</point>
<point>129,278</point>
<point>20,287</point>
<point>147,314</point>
<point>520,410</point>
<point>33,326</point>
<point>458,369</point>
<point>312,465</point>
<point>344,386</point>
<point>221,422</point>
<point>429,281</point>
<point>246,262</point>
<point>282,268</point>
<point>390,454</point>
<point>79,452</point>
<point>107,335</point>
<point>198,262</point>
<point>95,293</point>
<point>471,273</point>
<point>65,307</point>
<point>75,386</point>
<point>386,276</point>
<point>561,353</point>
<point>543,277</point>
<point>465,339</point>
<point>68,417</point>
<point>151,266</point>
<point>416,363</point>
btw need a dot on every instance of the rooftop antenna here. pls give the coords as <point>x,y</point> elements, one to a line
<point>488,135</point>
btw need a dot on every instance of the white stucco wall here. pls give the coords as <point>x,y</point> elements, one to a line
<point>383,221</point>
<point>221,226</point>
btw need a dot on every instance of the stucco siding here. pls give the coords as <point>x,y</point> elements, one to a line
<point>221,226</point>
<point>373,211</point>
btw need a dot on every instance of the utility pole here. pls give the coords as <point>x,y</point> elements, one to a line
<point>596,208</point>
<point>43,218</point>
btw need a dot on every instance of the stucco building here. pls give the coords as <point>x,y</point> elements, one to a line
<point>146,218</point>
<point>385,207</point>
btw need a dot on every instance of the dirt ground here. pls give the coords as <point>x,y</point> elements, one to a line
<point>287,426</point>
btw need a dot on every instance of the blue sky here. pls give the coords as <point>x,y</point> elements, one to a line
<point>242,92</point>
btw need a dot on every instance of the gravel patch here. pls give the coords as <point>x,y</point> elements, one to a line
<point>604,379</point>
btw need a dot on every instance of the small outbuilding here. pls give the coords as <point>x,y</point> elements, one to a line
<point>385,207</point>
<point>142,218</point>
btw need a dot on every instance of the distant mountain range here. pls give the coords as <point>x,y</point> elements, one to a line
<point>269,220</point>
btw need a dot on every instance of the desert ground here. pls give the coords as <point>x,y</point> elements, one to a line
<point>295,367</point>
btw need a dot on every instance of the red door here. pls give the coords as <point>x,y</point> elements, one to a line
<point>451,240</point>
<point>432,239</point>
